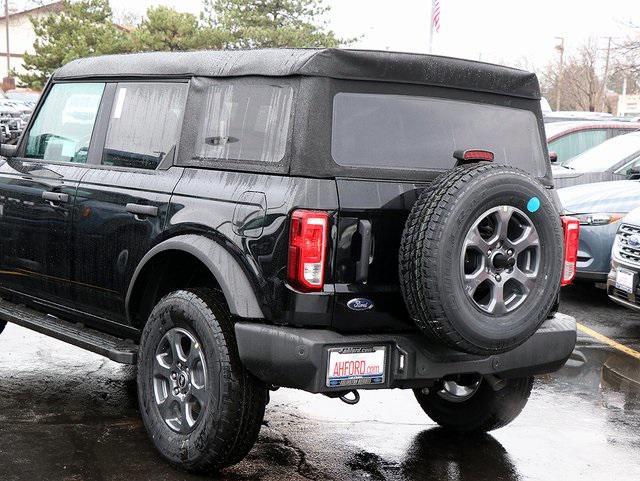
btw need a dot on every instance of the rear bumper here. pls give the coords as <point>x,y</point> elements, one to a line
<point>297,358</point>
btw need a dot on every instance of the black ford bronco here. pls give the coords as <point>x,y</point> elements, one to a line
<point>325,220</point>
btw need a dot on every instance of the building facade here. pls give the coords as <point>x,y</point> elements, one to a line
<point>21,36</point>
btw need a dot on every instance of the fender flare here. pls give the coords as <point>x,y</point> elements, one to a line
<point>236,287</point>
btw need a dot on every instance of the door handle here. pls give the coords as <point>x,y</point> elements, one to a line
<point>362,266</point>
<point>140,209</point>
<point>55,196</point>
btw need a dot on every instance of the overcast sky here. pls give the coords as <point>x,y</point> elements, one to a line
<point>507,31</point>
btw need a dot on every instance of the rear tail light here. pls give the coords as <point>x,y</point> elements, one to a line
<point>307,249</point>
<point>571,227</point>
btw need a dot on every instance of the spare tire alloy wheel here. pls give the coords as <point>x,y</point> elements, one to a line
<point>500,259</point>
<point>481,258</point>
<point>180,380</point>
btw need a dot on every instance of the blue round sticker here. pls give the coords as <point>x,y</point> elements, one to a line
<point>533,204</point>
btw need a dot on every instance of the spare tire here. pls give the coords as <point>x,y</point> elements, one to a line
<point>481,258</point>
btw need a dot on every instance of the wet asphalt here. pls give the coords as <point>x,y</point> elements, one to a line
<point>66,414</point>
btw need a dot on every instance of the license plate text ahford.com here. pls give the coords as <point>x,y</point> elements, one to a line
<point>355,366</point>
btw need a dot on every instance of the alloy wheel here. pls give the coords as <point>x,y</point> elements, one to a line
<point>179,380</point>
<point>500,260</point>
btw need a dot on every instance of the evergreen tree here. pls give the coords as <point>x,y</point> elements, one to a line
<point>80,29</point>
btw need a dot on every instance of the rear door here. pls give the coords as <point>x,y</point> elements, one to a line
<point>123,200</point>
<point>384,137</point>
<point>38,190</point>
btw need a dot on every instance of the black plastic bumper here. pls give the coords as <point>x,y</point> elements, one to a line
<point>297,358</point>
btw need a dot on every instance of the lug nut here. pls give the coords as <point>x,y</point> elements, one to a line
<point>489,252</point>
<point>174,375</point>
<point>498,278</point>
<point>176,391</point>
<point>510,252</point>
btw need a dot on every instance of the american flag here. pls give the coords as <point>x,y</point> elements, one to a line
<point>435,15</point>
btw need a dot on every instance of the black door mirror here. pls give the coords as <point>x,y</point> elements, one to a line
<point>553,156</point>
<point>633,173</point>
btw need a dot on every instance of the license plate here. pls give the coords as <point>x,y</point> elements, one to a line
<point>625,280</point>
<point>355,366</point>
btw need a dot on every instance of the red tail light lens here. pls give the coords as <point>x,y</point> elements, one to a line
<point>474,154</point>
<point>571,227</point>
<point>307,249</point>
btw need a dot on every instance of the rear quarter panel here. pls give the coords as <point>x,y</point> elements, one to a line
<point>248,213</point>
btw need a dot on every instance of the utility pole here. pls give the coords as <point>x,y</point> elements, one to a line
<point>559,48</point>
<point>6,23</point>
<point>603,91</point>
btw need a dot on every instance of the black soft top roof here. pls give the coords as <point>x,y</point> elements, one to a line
<point>334,63</point>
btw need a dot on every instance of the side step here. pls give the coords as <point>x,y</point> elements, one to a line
<point>114,348</point>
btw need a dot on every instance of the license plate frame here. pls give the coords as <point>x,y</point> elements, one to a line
<point>626,280</point>
<point>361,366</point>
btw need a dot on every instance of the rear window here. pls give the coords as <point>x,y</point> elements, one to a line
<point>245,123</point>
<point>421,133</point>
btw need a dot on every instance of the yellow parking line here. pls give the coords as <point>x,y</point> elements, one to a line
<point>610,342</point>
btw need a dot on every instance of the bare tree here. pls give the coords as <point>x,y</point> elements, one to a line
<point>626,68</point>
<point>581,83</point>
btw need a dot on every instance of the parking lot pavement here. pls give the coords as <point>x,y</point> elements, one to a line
<point>69,415</point>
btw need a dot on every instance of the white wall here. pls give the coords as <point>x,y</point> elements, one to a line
<point>21,38</point>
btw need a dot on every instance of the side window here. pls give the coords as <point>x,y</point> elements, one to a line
<point>245,122</point>
<point>144,125</point>
<point>577,142</point>
<point>62,130</point>
<point>615,132</point>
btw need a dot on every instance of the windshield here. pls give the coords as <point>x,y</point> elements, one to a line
<point>606,155</point>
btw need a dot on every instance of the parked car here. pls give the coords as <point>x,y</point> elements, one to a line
<point>563,115</point>
<point>14,117</point>
<point>615,159</point>
<point>622,282</point>
<point>599,207</point>
<point>568,139</point>
<point>24,111</point>
<point>27,96</point>
<point>325,220</point>
<point>10,123</point>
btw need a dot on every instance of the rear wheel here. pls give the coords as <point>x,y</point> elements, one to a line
<point>469,403</point>
<point>202,409</point>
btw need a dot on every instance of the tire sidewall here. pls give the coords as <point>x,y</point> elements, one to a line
<point>499,187</point>
<point>174,311</point>
<point>484,411</point>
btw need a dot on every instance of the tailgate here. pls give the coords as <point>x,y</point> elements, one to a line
<point>371,219</point>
